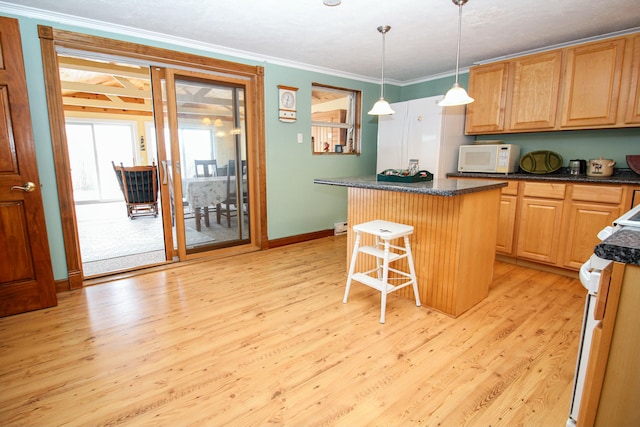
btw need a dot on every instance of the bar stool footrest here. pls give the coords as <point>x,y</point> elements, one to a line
<point>379,252</point>
<point>373,282</point>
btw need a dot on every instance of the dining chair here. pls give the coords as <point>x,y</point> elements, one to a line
<point>206,168</point>
<point>229,207</point>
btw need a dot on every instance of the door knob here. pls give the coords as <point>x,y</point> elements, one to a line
<point>28,187</point>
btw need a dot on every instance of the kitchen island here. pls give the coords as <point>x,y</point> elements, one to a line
<point>455,227</point>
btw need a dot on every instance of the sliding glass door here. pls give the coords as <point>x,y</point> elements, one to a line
<point>207,159</point>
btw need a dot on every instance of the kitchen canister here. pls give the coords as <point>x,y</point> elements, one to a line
<point>600,167</point>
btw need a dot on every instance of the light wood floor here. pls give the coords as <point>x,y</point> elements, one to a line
<point>264,339</point>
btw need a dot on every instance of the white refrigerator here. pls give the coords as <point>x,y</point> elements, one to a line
<point>421,129</point>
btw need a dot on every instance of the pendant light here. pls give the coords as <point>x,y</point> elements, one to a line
<point>382,107</point>
<point>457,95</point>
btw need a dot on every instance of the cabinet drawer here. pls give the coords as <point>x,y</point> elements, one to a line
<point>545,190</point>
<point>597,193</point>
<point>511,189</point>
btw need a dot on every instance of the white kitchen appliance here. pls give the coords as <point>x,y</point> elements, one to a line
<point>421,129</point>
<point>590,277</point>
<point>490,158</point>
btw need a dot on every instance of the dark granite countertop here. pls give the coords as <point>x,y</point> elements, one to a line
<point>622,246</point>
<point>437,187</point>
<point>620,176</point>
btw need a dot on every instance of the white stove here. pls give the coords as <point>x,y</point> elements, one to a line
<point>590,277</point>
<point>629,219</point>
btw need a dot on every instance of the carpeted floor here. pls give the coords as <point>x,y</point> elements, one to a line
<point>106,232</point>
<point>111,242</point>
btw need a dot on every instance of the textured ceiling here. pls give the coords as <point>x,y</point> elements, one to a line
<point>421,43</point>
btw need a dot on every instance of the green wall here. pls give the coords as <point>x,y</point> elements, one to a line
<point>294,204</point>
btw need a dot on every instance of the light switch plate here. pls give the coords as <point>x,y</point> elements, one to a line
<point>300,139</point>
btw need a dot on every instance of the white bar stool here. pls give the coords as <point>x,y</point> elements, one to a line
<point>384,231</point>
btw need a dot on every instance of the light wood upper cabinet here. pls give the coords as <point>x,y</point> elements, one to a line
<point>589,86</point>
<point>592,83</point>
<point>633,104</point>
<point>488,86</point>
<point>534,97</point>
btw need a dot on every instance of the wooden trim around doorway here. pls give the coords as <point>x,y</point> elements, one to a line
<point>52,39</point>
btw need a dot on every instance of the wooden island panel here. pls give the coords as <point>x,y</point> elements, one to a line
<point>453,242</point>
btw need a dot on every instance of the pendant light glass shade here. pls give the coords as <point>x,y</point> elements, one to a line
<point>457,95</point>
<point>382,107</point>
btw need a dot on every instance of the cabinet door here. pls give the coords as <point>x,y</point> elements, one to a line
<point>488,86</point>
<point>506,224</point>
<point>585,221</point>
<point>539,229</point>
<point>592,83</point>
<point>633,105</point>
<point>534,101</point>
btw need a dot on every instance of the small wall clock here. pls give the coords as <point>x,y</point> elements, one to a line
<point>287,103</point>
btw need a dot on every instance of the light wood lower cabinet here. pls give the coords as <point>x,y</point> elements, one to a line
<point>555,223</point>
<point>539,229</point>
<point>590,208</point>
<point>584,221</point>
<point>540,224</point>
<point>506,224</point>
<point>507,218</point>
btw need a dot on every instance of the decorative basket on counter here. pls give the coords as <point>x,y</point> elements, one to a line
<point>398,175</point>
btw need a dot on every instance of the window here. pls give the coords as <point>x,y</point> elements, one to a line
<point>335,120</point>
<point>92,148</point>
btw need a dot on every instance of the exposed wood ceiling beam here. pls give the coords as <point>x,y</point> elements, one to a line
<point>114,103</point>
<point>94,110</point>
<point>109,68</point>
<point>105,90</point>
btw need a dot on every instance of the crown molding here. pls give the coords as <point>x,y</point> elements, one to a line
<point>65,19</point>
<point>93,24</point>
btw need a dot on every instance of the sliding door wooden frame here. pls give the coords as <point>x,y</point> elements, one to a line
<point>52,39</point>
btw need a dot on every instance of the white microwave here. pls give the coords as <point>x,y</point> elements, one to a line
<point>490,158</point>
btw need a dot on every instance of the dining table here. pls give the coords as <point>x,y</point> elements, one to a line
<point>204,192</point>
